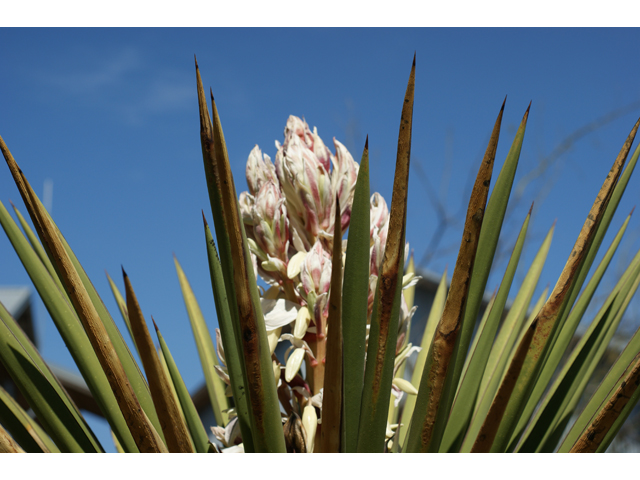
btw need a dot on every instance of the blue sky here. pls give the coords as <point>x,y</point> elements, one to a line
<point>110,117</point>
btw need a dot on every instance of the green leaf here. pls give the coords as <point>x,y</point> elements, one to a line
<point>464,403</point>
<point>502,346</point>
<point>143,432</point>
<point>436,387</point>
<point>562,342</point>
<point>597,429</point>
<point>487,243</point>
<point>122,306</point>
<point>71,330</point>
<point>174,429</point>
<point>198,433</point>
<point>37,247</point>
<point>506,413</point>
<point>54,409</point>
<point>232,356</point>
<point>206,351</point>
<point>386,305</point>
<point>332,394</point>
<point>355,292</point>
<point>556,407</point>
<point>266,424</point>
<point>23,428</point>
<point>611,380</point>
<point>437,307</point>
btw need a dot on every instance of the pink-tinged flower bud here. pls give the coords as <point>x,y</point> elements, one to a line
<point>379,212</point>
<point>316,270</point>
<point>343,180</point>
<point>298,127</point>
<point>320,150</point>
<point>246,202</point>
<point>259,170</point>
<point>270,223</point>
<point>379,240</point>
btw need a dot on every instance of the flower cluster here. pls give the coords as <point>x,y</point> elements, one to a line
<point>289,215</point>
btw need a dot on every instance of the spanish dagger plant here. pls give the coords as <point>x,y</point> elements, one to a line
<point>334,292</point>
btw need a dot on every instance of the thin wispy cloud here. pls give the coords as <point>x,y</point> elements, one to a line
<point>122,84</point>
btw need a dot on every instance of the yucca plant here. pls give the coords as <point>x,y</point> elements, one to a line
<point>343,309</point>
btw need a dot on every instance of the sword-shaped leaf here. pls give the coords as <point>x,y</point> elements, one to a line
<point>549,422</point>
<point>524,375</point>
<point>611,380</point>
<point>53,407</point>
<point>463,406</point>
<point>225,264</point>
<point>333,376</point>
<point>437,307</point>
<point>142,430</point>
<point>354,304</point>
<point>37,247</point>
<point>595,433</point>
<point>266,425</point>
<point>122,351</point>
<point>198,433</point>
<point>232,356</point>
<point>174,430</point>
<point>571,317</point>
<point>122,306</point>
<point>386,305</point>
<point>436,388</point>
<point>71,330</point>
<point>562,343</point>
<point>24,429</point>
<point>487,243</point>
<point>206,351</point>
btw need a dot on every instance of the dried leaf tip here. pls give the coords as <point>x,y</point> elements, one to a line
<point>155,325</point>
<point>124,274</point>
<point>196,60</point>
<point>414,58</point>
<point>366,143</point>
<point>526,114</point>
<point>504,102</point>
<point>204,220</point>
<point>631,213</point>
<point>531,208</point>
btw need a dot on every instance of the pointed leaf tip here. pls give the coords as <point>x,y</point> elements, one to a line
<point>631,213</point>
<point>154,324</point>
<point>503,103</point>
<point>366,143</point>
<point>531,208</point>
<point>124,274</point>
<point>414,58</point>
<point>204,219</point>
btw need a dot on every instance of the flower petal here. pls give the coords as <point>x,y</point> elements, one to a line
<point>278,313</point>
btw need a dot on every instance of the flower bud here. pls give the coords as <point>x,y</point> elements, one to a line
<point>259,170</point>
<point>310,425</point>
<point>270,223</point>
<point>316,270</point>
<point>343,179</point>
<point>299,128</point>
<point>379,213</point>
<point>294,362</point>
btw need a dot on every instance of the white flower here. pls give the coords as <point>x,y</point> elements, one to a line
<point>278,312</point>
